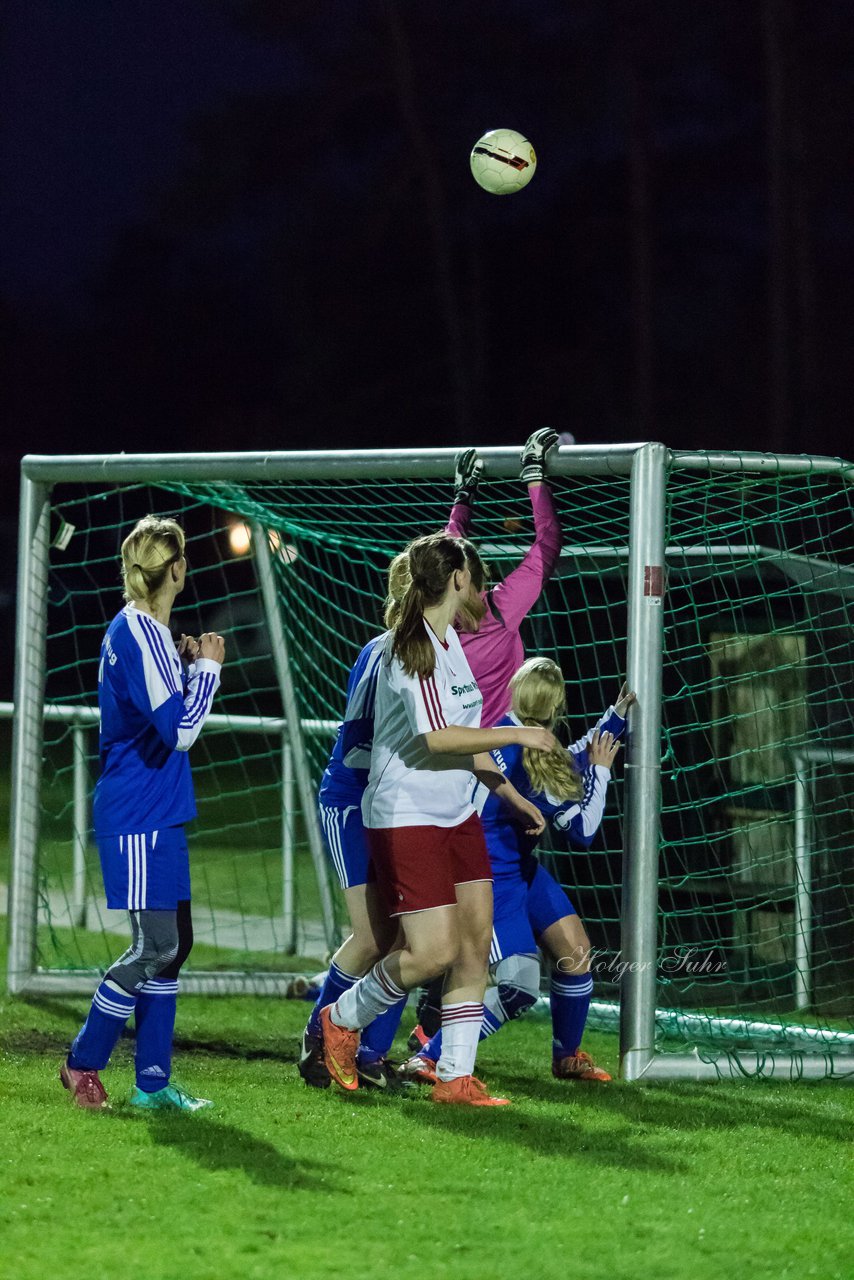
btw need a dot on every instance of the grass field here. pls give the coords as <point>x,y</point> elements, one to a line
<point>601,1182</point>
<point>676,1182</point>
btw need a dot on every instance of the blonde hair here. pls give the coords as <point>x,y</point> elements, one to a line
<point>539,698</point>
<point>399,579</point>
<point>147,553</point>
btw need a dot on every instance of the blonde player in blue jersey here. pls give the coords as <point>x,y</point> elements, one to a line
<point>531,910</point>
<point>154,697</point>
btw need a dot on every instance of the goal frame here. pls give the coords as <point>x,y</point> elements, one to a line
<point>646,465</point>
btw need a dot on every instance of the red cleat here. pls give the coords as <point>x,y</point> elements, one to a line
<point>419,1068</point>
<point>85,1087</point>
<point>418,1039</point>
<point>339,1051</point>
<point>466,1091</point>
<point>578,1066</point>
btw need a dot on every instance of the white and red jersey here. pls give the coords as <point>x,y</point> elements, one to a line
<point>407,786</point>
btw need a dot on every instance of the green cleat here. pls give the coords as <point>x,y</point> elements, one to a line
<point>170,1098</point>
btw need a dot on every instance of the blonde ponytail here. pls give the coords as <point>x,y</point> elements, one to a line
<point>539,698</point>
<point>147,553</point>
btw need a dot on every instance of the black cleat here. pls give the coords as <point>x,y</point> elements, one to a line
<point>311,1066</point>
<point>380,1074</point>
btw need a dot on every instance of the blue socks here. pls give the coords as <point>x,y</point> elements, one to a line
<point>97,1038</point>
<point>337,982</point>
<point>155,1024</point>
<point>569,996</point>
<point>570,1001</point>
<point>378,1036</point>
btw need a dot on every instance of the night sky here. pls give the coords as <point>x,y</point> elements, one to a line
<point>246,224</point>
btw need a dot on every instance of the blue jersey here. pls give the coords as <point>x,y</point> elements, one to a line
<point>151,714</point>
<point>509,847</point>
<point>346,775</point>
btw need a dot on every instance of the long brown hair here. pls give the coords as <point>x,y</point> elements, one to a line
<point>539,698</point>
<point>431,559</point>
<point>150,548</point>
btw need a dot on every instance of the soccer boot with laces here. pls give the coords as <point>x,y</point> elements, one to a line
<point>466,1091</point>
<point>311,1066</point>
<point>171,1098</point>
<point>382,1074</point>
<point>420,1069</point>
<point>85,1088</point>
<point>339,1051</point>
<point>578,1066</point>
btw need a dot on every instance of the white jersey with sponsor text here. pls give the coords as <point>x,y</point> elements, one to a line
<point>407,786</point>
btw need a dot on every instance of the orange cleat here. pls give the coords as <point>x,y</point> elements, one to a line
<point>339,1051</point>
<point>578,1066</point>
<point>419,1068</point>
<point>85,1088</point>
<point>466,1091</point>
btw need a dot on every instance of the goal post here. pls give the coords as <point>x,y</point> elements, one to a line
<point>721,585</point>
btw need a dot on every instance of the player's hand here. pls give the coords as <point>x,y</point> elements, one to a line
<point>188,648</point>
<point>467,469</point>
<point>626,699</point>
<point>534,455</point>
<point>527,814</point>
<point>537,739</point>
<point>603,749</point>
<point>211,646</point>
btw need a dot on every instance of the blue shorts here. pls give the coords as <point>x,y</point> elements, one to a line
<point>146,870</point>
<point>346,843</point>
<point>523,910</point>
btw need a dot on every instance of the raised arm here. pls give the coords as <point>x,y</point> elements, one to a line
<point>514,598</point>
<point>467,469</point>
<point>613,722</point>
<point>580,820</point>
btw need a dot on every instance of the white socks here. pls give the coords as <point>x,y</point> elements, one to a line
<point>370,997</point>
<point>460,1034</point>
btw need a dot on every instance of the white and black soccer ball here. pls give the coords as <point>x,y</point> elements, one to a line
<point>503,161</point>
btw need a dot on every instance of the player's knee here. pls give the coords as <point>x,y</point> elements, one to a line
<point>518,984</point>
<point>515,1000</point>
<point>435,960</point>
<point>160,959</point>
<point>576,958</point>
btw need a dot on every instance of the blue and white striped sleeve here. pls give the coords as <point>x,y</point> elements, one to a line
<point>204,676</point>
<point>610,722</point>
<point>580,820</point>
<point>155,684</point>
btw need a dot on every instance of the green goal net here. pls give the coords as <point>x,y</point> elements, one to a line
<point>756,882</point>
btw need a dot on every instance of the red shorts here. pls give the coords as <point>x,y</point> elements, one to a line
<point>417,868</point>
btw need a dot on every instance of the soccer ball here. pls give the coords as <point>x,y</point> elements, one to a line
<point>502,162</point>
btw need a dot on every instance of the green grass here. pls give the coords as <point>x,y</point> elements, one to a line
<point>743,1180</point>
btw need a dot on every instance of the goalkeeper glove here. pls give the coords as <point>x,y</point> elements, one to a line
<point>467,469</point>
<point>534,454</point>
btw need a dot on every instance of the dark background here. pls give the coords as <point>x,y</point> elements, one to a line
<point>232,225</point>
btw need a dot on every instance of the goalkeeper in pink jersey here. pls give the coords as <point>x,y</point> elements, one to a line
<point>492,643</point>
